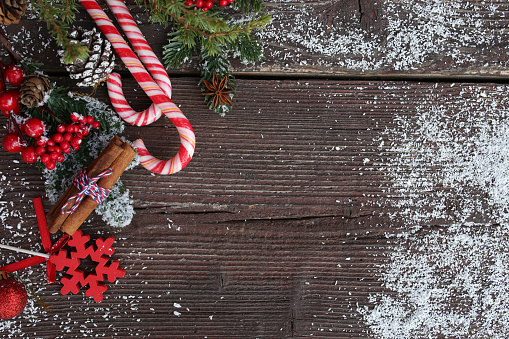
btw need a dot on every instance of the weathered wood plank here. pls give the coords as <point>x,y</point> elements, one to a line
<point>348,38</point>
<point>277,226</point>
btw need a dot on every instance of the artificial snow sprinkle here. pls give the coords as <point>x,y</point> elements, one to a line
<point>447,281</point>
<point>415,31</point>
<point>451,168</point>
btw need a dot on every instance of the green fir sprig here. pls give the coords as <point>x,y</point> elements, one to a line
<point>58,15</point>
<point>213,37</point>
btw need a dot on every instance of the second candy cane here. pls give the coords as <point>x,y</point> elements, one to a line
<point>154,92</point>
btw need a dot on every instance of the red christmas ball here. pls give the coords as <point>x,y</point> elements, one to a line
<point>13,298</point>
<point>9,102</point>
<point>12,143</point>
<point>34,127</point>
<point>14,75</point>
<point>29,155</point>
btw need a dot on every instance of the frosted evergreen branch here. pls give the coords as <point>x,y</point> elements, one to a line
<point>58,16</point>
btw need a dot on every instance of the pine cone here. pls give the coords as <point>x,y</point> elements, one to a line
<point>11,11</point>
<point>99,64</point>
<point>35,90</point>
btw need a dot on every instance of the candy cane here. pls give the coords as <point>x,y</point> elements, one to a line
<point>150,60</point>
<point>154,92</point>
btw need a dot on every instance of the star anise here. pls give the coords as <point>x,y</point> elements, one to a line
<point>218,90</point>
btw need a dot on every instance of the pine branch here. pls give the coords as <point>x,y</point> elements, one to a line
<point>212,36</point>
<point>222,67</point>
<point>58,16</point>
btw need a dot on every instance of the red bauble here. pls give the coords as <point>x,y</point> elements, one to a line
<point>12,143</point>
<point>29,155</point>
<point>9,102</point>
<point>14,75</point>
<point>34,127</point>
<point>13,298</point>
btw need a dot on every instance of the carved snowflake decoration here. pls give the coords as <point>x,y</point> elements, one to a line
<point>76,277</point>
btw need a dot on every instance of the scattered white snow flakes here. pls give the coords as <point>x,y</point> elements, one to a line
<point>449,165</point>
<point>449,281</point>
<point>415,31</point>
<point>452,159</point>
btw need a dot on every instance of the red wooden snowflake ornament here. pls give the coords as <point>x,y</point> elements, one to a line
<point>72,260</point>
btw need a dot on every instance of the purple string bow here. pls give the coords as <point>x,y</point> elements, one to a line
<point>87,186</point>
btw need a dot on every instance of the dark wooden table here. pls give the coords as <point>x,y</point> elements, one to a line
<point>351,192</point>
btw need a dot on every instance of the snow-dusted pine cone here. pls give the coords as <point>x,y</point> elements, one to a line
<point>99,64</point>
<point>35,90</point>
<point>11,11</point>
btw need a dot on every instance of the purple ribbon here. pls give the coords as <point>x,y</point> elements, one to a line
<point>87,186</point>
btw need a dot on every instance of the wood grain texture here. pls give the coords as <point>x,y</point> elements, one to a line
<point>275,229</point>
<point>401,38</point>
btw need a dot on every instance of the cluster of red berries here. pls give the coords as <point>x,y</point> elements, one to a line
<point>50,150</point>
<point>9,98</point>
<point>205,5</point>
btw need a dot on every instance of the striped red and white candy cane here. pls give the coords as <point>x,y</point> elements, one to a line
<point>152,63</point>
<point>154,92</point>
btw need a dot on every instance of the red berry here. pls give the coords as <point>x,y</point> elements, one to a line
<point>188,3</point>
<point>41,141</point>
<point>50,165</point>
<point>40,150</point>
<point>90,120</point>
<point>28,154</point>
<point>12,143</point>
<point>34,127</point>
<point>64,145</point>
<point>45,158</point>
<point>198,3</point>
<point>53,155</point>
<point>50,148</point>
<point>57,138</point>
<point>58,149</point>
<point>76,141</point>
<point>69,128</point>
<point>68,136</point>
<point>50,142</point>
<point>14,75</point>
<point>85,132</point>
<point>61,128</point>
<point>207,4</point>
<point>66,150</point>
<point>204,8</point>
<point>223,3</point>
<point>96,124</point>
<point>9,101</point>
<point>75,117</point>
<point>60,158</point>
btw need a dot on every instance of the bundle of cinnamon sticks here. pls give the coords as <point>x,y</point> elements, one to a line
<point>116,155</point>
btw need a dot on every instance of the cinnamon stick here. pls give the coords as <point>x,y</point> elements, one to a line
<point>87,205</point>
<point>105,160</point>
